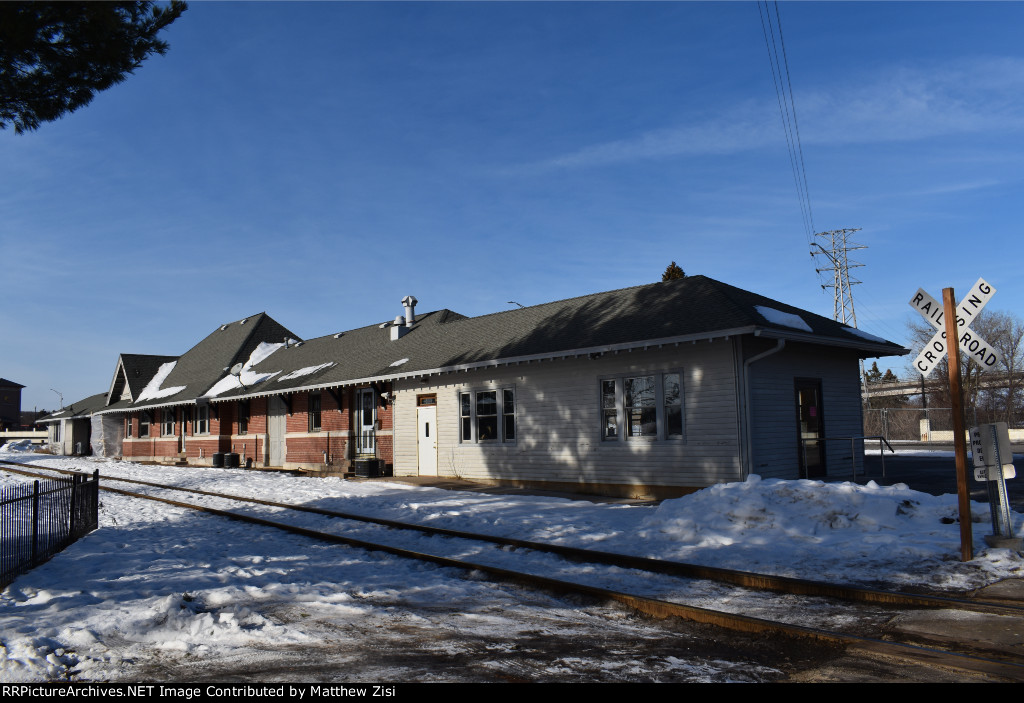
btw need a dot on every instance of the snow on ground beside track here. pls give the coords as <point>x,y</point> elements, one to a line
<point>157,580</point>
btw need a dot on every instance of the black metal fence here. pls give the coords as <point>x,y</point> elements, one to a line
<point>38,520</point>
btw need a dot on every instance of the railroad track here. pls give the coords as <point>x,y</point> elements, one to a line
<point>1007,665</point>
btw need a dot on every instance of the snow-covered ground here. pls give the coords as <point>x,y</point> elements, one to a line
<point>157,584</point>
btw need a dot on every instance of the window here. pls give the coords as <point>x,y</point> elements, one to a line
<point>243,416</point>
<point>642,407</point>
<point>56,431</point>
<point>314,412</point>
<point>127,427</point>
<point>144,424</point>
<point>202,423</point>
<point>487,416</point>
<point>167,418</point>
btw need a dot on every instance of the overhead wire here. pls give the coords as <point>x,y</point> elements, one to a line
<point>782,80</point>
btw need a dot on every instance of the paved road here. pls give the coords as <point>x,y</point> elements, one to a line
<point>934,472</point>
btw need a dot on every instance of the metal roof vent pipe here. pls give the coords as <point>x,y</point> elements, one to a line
<point>409,303</point>
<point>399,328</point>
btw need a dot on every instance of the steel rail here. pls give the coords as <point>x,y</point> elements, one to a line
<point>745,579</point>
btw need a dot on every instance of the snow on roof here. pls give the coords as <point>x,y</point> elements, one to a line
<point>399,362</point>
<point>786,319</point>
<point>247,377</point>
<point>864,335</point>
<point>152,391</point>
<point>305,371</point>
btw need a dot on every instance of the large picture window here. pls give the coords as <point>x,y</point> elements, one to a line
<point>487,416</point>
<point>648,406</point>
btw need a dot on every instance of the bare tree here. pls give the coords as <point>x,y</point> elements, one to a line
<point>988,395</point>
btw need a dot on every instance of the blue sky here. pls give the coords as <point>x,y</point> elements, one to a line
<point>320,161</point>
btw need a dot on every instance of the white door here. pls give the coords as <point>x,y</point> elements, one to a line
<point>275,430</point>
<point>366,429</point>
<point>426,442</point>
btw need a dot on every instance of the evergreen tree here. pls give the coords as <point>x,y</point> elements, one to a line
<point>673,272</point>
<point>873,375</point>
<point>55,56</point>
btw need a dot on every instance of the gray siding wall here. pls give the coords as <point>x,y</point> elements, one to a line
<point>774,412</point>
<point>559,422</point>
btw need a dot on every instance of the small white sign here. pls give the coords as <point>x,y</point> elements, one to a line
<point>990,447</point>
<point>991,473</point>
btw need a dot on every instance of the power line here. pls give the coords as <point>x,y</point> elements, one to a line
<point>787,110</point>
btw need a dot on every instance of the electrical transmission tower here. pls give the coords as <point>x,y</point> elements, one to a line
<point>836,253</point>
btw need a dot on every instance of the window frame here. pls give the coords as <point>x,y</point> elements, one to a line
<point>666,430</point>
<point>143,425</point>
<point>244,415</point>
<point>503,417</point>
<point>201,420</point>
<point>168,418</point>
<point>314,412</point>
<point>128,427</point>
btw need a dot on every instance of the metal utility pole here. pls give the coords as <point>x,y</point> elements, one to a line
<point>836,253</point>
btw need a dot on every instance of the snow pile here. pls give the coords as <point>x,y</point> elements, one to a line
<point>819,530</point>
<point>152,391</point>
<point>785,319</point>
<point>247,377</point>
<point>19,445</point>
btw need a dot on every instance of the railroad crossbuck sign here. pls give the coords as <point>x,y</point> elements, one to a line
<point>970,343</point>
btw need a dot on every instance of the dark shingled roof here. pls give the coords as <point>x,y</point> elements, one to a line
<point>138,369</point>
<point>80,408</point>
<point>207,362</point>
<point>695,307</point>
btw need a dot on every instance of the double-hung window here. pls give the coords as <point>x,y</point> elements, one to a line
<point>642,406</point>
<point>314,412</point>
<point>128,427</point>
<point>144,424</point>
<point>202,422</point>
<point>487,416</point>
<point>243,416</point>
<point>167,422</point>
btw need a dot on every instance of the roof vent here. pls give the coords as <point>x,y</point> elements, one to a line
<point>409,303</point>
<point>399,328</point>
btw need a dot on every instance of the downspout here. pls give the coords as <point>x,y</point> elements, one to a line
<point>779,346</point>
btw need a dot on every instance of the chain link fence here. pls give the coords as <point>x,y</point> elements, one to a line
<point>903,424</point>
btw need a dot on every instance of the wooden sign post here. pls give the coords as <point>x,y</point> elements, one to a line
<point>959,439</point>
<point>954,333</point>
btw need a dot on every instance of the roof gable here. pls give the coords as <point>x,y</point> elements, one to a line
<point>133,372</point>
<point>202,366</point>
